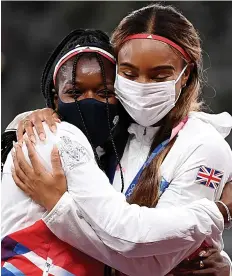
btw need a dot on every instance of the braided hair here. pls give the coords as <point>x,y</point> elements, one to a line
<point>80,37</point>
<point>118,137</point>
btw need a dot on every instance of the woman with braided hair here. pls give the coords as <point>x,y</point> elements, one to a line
<point>77,82</point>
<point>93,38</point>
<point>152,240</point>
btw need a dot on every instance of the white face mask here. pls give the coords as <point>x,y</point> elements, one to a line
<point>146,103</point>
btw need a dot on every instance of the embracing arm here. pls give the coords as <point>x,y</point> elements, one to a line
<point>186,186</point>
<point>114,220</point>
<point>24,122</point>
<point>123,219</point>
<point>20,117</point>
<point>139,231</point>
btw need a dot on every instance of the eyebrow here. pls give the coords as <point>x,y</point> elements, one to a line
<point>128,65</point>
<point>77,82</point>
<point>160,67</point>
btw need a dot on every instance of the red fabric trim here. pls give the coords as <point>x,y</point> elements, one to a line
<point>160,38</point>
<point>25,266</point>
<point>76,53</point>
<point>40,240</point>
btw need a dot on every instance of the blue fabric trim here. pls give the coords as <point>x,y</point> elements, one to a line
<point>12,270</point>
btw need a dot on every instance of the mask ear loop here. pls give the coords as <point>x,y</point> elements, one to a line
<point>108,119</point>
<point>113,144</point>
<point>79,110</point>
<point>181,73</point>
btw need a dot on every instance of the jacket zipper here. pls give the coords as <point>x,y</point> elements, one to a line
<point>143,138</point>
<point>47,267</point>
<point>145,131</point>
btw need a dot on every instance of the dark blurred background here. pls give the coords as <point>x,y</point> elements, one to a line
<point>30,31</point>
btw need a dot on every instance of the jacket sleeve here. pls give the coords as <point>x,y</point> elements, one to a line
<point>97,220</point>
<point>68,225</point>
<point>14,124</point>
<point>115,221</point>
<point>203,173</point>
<point>204,159</point>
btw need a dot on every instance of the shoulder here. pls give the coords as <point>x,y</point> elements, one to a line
<point>65,133</point>
<point>200,155</point>
<point>73,145</point>
<point>200,142</point>
<point>206,132</point>
<point>65,129</point>
<point>220,123</point>
<point>14,124</point>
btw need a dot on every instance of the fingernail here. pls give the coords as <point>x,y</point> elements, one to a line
<point>55,148</point>
<point>32,138</point>
<point>59,120</point>
<point>42,137</point>
<point>53,129</point>
<point>20,143</point>
<point>202,253</point>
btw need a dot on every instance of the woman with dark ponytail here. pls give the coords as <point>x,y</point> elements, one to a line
<point>175,156</point>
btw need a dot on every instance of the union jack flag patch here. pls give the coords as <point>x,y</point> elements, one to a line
<point>209,177</point>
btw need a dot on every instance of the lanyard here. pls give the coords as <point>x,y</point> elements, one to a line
<point>155,152</point>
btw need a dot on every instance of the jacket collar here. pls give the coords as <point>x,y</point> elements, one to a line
<point>143,134</point>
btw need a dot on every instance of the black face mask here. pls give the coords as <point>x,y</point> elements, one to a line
<point>95,118</point>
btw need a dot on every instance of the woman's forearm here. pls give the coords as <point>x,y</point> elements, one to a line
<point>67,225</point>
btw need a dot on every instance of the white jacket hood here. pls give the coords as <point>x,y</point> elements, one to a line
<point>221,122</point>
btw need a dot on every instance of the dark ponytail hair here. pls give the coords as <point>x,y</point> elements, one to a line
<point>164,21</point>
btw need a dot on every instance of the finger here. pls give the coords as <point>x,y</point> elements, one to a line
<point>206,253</point>
<point>203,272</point>
<point>57,120</point>
<point>56,117</point>
<point>188,267</point>
<point>208,262</point>
<point>28,128</point>
<point>39,128</point>
<point>56,162</point>
<point>18,171</point>
<point>20,131</point>
<point>32,154</point>
<point>25,126</point>
<point>19,183</point>
<point>21,160</point>
<point>51,122</point>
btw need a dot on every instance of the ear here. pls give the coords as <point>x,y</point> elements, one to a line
<point>186,74</point>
